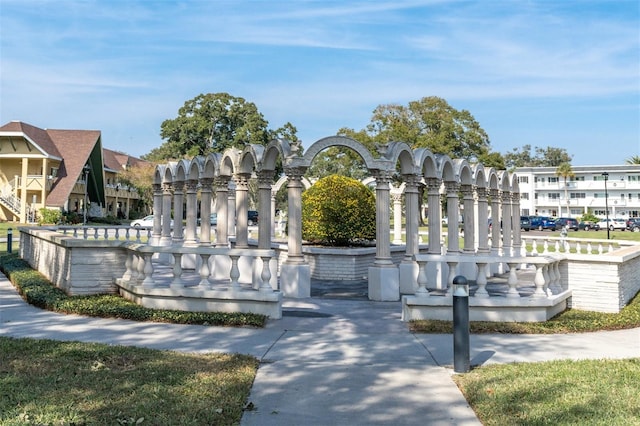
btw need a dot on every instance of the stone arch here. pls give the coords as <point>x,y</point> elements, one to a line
<point>446,168</point>
<point>463,171</point>
<point>343,141</point>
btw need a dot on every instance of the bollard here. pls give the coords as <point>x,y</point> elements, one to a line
<point>9,239</point>
<point>461,363</point>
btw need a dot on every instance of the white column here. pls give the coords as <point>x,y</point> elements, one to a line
<point>433,200</point>
<point>453,211</point>
<point>397,217</point>
<point>242,187</point>
<point>205,211</point>
<point>265,222</point>
<point>384,279</point>
<point>178,202</point>
<point>469,219</point>
<point>505,197</point>
<point>192,212</point>
<point>408,268</point>
<point>157,214</point>
<point>222,198</point>
<point>295,273</point>
<point>483,221</point>
<point>167,197</point>
<point>515,221</point>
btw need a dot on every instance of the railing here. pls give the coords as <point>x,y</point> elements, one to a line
<point>140,269</point>
<point>106,232</point>
<point>546,278</point>
<point>546,245</point>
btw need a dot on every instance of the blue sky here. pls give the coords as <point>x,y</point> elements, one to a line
<point>546,73</point>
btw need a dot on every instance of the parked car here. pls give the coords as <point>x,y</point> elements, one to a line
<point>587,226</point>
<point>252,218</point>
<point>613,224</point>
<point>633,224</point>
<point>525,223</point>
<point>542,222</point>
<point>570,223</point>
<point>213,219</point>
<point>146,221</point>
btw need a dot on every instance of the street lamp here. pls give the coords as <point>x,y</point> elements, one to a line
<point>606,200</point>
<point>85,169</point>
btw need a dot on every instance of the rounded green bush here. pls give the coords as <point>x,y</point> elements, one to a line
<point>338,211</point>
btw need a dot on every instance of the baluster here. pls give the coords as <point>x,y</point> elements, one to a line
<point>204,270</point>
<point>106,233</point>
<point>589,248</point>
<point>127,265</point>
<point>140,266</point>
<point>578,247</point>
<point>177,271</point>
<point>481,280</point>
<point>610,248</point>
<point>546,247</point>
<point>422,279</point>
<point>600,248</point>
<point>265,287</point>
<point>138,240</point>
<point>556,246</point>
<point>75,232</point>
<point>512,293</point>
<point>95,233</point>
<point>234,273</point>
<point>126,234</point>
<point>117,233</point>
<point>534,247</point>
<point>148,271</point>
<point>539,281</point>
<point>556,287</point>
<point>547,280</point>
<point>85,233</point>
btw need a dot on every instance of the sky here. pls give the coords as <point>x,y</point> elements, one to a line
<point>562,73</point>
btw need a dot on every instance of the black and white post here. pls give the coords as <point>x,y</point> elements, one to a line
<point>461,362</point>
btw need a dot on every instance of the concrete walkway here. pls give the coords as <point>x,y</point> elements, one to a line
<point>330,361</point>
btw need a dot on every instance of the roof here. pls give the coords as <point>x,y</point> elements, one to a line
<point>74,147</point>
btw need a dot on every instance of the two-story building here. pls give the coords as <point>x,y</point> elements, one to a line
<point>593,189</point>
<point>60,169</point>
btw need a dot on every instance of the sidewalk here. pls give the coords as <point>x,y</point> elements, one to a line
<point>330,361</point>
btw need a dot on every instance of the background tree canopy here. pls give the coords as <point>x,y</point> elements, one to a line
<point>213,123</point>
<point>543,157</point>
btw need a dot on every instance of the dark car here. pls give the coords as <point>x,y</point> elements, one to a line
<point>587,226</point>
<point>570,223</point>
<point>252,218</point>
<point>542,222</point>
<point>633,224</point>
<point>525,223</point>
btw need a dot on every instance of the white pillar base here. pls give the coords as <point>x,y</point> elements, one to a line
<point>384,284</point>
<point>408,277</point>
<point>295,280</point>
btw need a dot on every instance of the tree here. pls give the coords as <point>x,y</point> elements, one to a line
<point>214,122</point>
<point>544,157</point>
<point>565,171</point>
<point>140,177</point>
<point>426,123</point>
<point>633,160</point>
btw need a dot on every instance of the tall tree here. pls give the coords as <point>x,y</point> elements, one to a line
<point>140,176</point>
<point>427,123</point>
<point>214,122</point>
<point>633,160</point>
<point>565,171</point>
<point>544,157</point>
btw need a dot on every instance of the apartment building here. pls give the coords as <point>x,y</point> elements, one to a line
<point>60,169</point>
<point>593,189</point>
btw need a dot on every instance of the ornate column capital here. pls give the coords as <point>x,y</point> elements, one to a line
<point>495,194</point>
<point>166,188</point>
<point>265,179</point>
<point>505,196</point>
<point>467,190</point>
<point>157,188</point>
<point>452,188</point>
<point>411,182</point>
<point>206,183</point>
<point>178,187</point>
<point>482,193</point>
<point>433,186</point>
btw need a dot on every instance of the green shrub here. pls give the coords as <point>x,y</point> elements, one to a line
<point>338,211</point>
<point>49,216</point>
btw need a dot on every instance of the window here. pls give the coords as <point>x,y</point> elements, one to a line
<point>552,179</point>
<point>538,179</point>
<point>630,196</point>
<point>633,178</point>
<point>523,179</point>
<point>525,195</point>
<point>576,195</point>
<point>53,172</point>
<point>576,212</point>
<point>579,178</point>
<point>554,195</point>
<point>535,196</point>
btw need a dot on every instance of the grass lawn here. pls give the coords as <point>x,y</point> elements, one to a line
<point>591,392</point>
<point>62,383</point>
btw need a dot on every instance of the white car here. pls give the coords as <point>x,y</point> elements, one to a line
<point>146,221</point>
<point>613,224</point>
